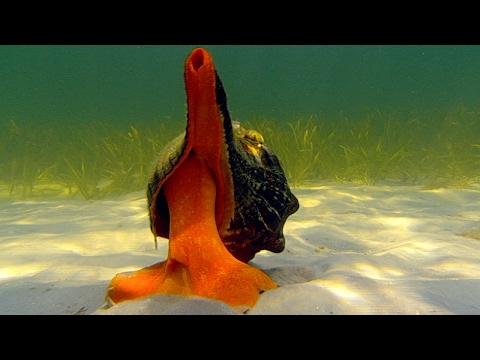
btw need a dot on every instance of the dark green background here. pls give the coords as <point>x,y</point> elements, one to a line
<point>131,84</point>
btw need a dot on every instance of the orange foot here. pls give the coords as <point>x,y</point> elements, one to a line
<point>235,283</point>
<point>198,262</point>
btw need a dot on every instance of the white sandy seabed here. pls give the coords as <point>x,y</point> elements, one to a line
<point>350,249</point>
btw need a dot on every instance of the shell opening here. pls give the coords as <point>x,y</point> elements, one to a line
<point>197,59</point>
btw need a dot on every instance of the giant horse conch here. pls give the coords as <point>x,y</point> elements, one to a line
<point>219,195</point>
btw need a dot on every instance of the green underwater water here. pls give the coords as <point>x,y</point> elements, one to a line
<point>88,121</point>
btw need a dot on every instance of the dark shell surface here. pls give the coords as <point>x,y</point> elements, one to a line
<point>262,197</point>
<point>157,203</point>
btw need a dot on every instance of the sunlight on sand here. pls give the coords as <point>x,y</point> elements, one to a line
<point>349,250</point>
